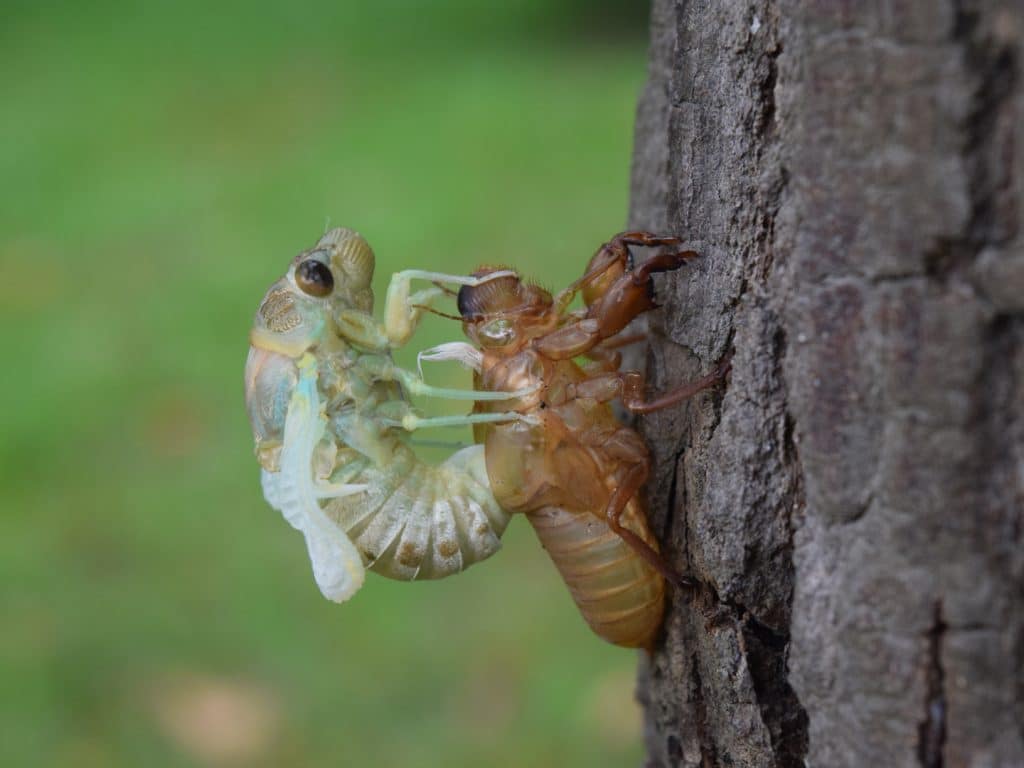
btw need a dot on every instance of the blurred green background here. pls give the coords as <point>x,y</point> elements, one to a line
<point>161,163</point>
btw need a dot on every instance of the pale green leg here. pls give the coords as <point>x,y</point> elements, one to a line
<point>443,277</point>
<point>416,386</point>
<point>401,414</point>
<point>401,316</point>
<point>384,370</point>
<point>361,329</point>
<point>411,422</point>
<point>448,445</point>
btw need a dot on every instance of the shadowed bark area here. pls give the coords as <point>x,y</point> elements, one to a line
<point>851,173</point>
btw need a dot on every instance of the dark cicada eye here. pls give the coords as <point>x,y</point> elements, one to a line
<point>465,301</point>
<point>314,277</point>
<point>494,294</point>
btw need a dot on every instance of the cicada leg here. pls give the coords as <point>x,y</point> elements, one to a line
<point>383,369</point>
<point>626,449</point>
<point>411,421</point>
<point>630,387</point>
<point>403,309</point>
<point>608,263</point>
<point>398,413</point>
<point>417,386</point>
<point>443,277</point>
<point>629,487</point>
<point>633,389</point>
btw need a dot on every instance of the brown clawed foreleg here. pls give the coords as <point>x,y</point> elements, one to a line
<point>608,264</point>
<point>632,293</point>
<point>662,262</point>
<point>644,239</point>
<point>616,251</point>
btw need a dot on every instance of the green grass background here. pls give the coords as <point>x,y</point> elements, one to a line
<point>160,164</point>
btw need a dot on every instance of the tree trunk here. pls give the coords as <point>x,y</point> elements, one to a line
<point>853,498</point>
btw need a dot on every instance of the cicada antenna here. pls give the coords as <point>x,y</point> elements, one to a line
<point>437,312</point>
<point>445,289</point>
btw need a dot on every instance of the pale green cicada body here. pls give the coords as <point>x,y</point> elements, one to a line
<point>331,422</point>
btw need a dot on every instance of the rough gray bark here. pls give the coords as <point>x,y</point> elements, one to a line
<point>854,498</point>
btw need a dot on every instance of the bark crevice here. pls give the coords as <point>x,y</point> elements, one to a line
<point>986,150</point>
<point>766,652</point>
<point>931,736</point>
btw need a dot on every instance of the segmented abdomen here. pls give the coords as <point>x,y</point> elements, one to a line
<point>619,594</point>
<point>421,521</point>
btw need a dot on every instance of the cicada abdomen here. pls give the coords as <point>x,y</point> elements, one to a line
<point>618,593</point>
<point>423,521</point>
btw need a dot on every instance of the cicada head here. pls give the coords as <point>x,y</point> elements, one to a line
<point>333,275</point>
<point>501,313</point>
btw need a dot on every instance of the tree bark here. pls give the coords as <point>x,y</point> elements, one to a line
<point>853,497</point>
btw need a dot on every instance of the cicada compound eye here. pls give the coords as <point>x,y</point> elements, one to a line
<point>493,295</point>
<point>315,278</point>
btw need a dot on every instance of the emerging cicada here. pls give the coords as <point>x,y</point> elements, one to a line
<point>571,466</point>
<point>332,423</point>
